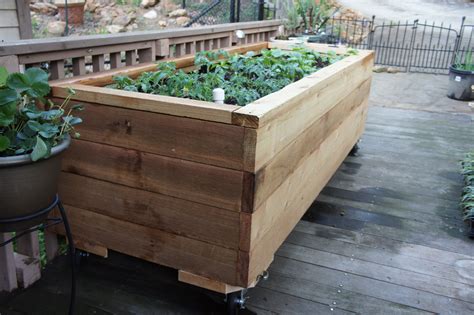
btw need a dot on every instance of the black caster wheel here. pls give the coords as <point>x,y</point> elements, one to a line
<point>355,149</point>
<point>235,302</point>
<point>80,258</point>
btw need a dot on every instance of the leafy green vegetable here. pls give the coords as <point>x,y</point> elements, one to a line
<point>29,124</point>
<point>245,78</point>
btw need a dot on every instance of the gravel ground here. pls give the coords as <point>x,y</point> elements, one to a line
<point>447,11</point>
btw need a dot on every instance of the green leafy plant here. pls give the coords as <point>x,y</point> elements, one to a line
<point>244,78</point>
<point>467,64</point>
<point>30,124</point>
<point>467,200</point>
<point>313,15</point>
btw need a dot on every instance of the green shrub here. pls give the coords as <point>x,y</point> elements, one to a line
<point>467,201</point>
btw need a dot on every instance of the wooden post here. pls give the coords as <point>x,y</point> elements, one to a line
<point>24,18</point>
<point>8,281</point>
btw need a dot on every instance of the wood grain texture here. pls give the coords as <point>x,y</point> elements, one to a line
<point>275,172</point>
<point>275,219</point>
<point>179,137</point>
<point>154,245</point>
<point>302,103</point>
<point>149,103</point>
<point>173,215</point>
<point>191,181</point>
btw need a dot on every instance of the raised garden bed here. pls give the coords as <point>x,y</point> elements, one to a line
<point>211,190</point>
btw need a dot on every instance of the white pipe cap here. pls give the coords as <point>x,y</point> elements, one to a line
<point>218,95</point>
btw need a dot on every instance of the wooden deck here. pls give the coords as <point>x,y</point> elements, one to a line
<point>384,237</point>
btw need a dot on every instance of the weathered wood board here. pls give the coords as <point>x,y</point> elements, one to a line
<point>210,190</point>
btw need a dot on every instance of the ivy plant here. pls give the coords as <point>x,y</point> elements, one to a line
<point>29,123</point>
<point>244,78</point>
<point>467,201</point>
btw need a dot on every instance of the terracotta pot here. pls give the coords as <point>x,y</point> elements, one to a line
<point>75,10</point>
<point>27,187</point>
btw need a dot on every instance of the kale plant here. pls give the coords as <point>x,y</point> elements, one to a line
<point>245,78</point>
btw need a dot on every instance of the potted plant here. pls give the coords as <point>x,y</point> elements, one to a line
<point>33,134</point>
<point>306,19</point>
<point>461,78</point>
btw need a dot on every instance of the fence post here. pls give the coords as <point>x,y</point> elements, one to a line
<point>261,4</point>
<point>232,11</point>
<point>457,44</point>
<point>412,44</point>
<point>370,40</point>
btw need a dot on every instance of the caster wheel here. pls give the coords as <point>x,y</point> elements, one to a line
<point>80,258</point>
<point>235,301</point>
<point>354,150</point>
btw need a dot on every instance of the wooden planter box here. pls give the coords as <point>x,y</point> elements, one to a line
<point>210,190</point>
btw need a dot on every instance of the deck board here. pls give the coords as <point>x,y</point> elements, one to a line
<point>384,237</point>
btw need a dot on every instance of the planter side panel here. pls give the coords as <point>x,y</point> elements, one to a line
<point>153,245</point>
<point>282,210</point>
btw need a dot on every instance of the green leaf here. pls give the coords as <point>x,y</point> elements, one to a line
<point>3,76</point>
<point>19,82</point>
<point>4,143</point>
<point>7,114</point>
<point>36,75</point>
<point>40,149</point>
<point>8,96</point>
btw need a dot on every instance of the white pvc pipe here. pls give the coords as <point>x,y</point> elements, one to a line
<point>218,95</point>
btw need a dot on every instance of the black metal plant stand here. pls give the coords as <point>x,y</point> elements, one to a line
<point>50,222</point>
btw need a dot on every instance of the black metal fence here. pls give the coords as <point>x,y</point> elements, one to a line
<point>411,47</point>
<point>227,11</point>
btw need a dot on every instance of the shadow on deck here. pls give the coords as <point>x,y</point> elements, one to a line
<point>384,237</point>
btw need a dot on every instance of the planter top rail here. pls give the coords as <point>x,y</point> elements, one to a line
<point>73,56</point>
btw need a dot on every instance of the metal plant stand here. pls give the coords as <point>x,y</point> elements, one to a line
<point>50,222</point>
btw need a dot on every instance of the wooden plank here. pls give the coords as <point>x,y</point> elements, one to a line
<point>153,245</point>
<point>79,66</point>
<point>57,69</point>
<point>341,77</point>
<point>281,303</point>
<point>305,101</point>
<point>383,257</point>
<point>181,217</point>
<point>90,247</point>
<point>323,48</point>
<point>98,63</point>
<point>10,62</point>
<point>9,34</point>
<point>84,51</point>
<point>208,142</point>
<point>24,19</point>
<point>8,5</point>
<point>335,296</point>
<point>148,102</point>
<point>8,18</point>
<point>206,283</point>
<point>163,47</point>
<point>442,287</point>
<point>383,290</point>
<point>281,212</point>
<point>191,181</point>
<point>264,222</point>
<point>91,41</point>
<point>275,172</point>
<point>8,280</point>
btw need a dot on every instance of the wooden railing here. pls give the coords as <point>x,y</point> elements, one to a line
<point>73,56</point>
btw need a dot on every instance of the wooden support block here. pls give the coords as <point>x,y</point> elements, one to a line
<point>51,245</point>
<point>28,245</point>
<point>8,280</point>
<point>163,47</point>
<point>57,69</point>
<point>115,60</point>
<point>146,55</point>
<point>207,283</point>
<point>130,57</point>
<point>28,270</point>
<point>98,63</point>
<point>79,66</point>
